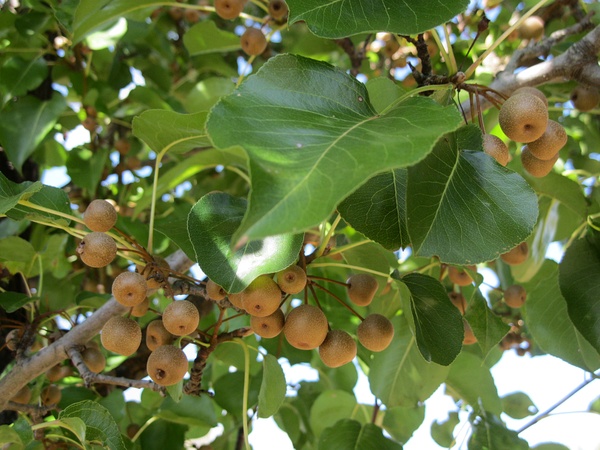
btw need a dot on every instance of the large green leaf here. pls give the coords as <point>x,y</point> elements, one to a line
<point>549,323</point>
<point>488,328</point>
<point>171,131</point>
<point>205,37</point>
<point>100,426</point>
<point>463,206</point>
<point>349,434</point>
<point>272,388</point>
<point>378,209</point>
<point>25,123</point>
<point>212,222</point>
<point>580,285</point>
<point>94,15</point>
<point>438,323</point>
<point>399,376</point>
<point>472,381</point>
<point>336,18</point>
<point>309,148</point>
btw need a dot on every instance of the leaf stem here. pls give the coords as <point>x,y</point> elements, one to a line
<point>159,157</point>
<point>350,266</point>
<point>330,232</point>
<point>50,211</point>
<point>412,93</point>
<point>246,389</point>
<point>339,300</point>
<point>348,247</point>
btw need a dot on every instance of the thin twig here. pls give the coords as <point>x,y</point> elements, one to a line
<point>557,404</point>
<point>90,378</point>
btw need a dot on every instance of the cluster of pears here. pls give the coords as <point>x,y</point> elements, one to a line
<point>524,118</point>
<point>514,296</point>
<point>253,41</point>
<point>167,364</point>
<point>306,326</point>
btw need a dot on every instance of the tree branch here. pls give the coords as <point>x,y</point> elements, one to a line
<point>29,368</point>
<point>579,62</point>
<point>90,377</point>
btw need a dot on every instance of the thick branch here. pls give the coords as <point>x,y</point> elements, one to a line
<point>27,369</point>
<point>579,62</point>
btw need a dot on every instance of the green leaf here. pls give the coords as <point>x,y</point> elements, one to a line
<point>191,410</point>
<point>330,407</point>
<point>49,198</point>
<point>401,422</point>
<point>337,19</point>
<point>580,284</point>
<point>18,76</point>
<point>518,405</point>
<point>378,209</point>
<point>563,189</point>
<point>174,225</point>
<point>206,93</point>
<point>163,435</point>
<point>171,131</point>
<point>175,391</point>
<point>349,434</point>
<point>100,426</point>
<point>472,381</point>
<point>18,255</point>
<point>549,323</point>
<point>25,123</point>
<point>94,15</point>
<point>188,168</point>
<point>463,206</point>
<point>205,37</point>
<point>488,328</point>
<point>491,434</point>
<point>212,222</point>
<point>308,149</point>
<point>11,193</point>
<point>10,438</point>
<point>229,390</point>
<point>443,432</point>
<point>11,301</point>
<point>383,92</point>
<point>399,376</point>
<point>272,388</point>
<point>85,167</point>
<point>438,323</point>
<point>543,234</point>
<point>75,425</point>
